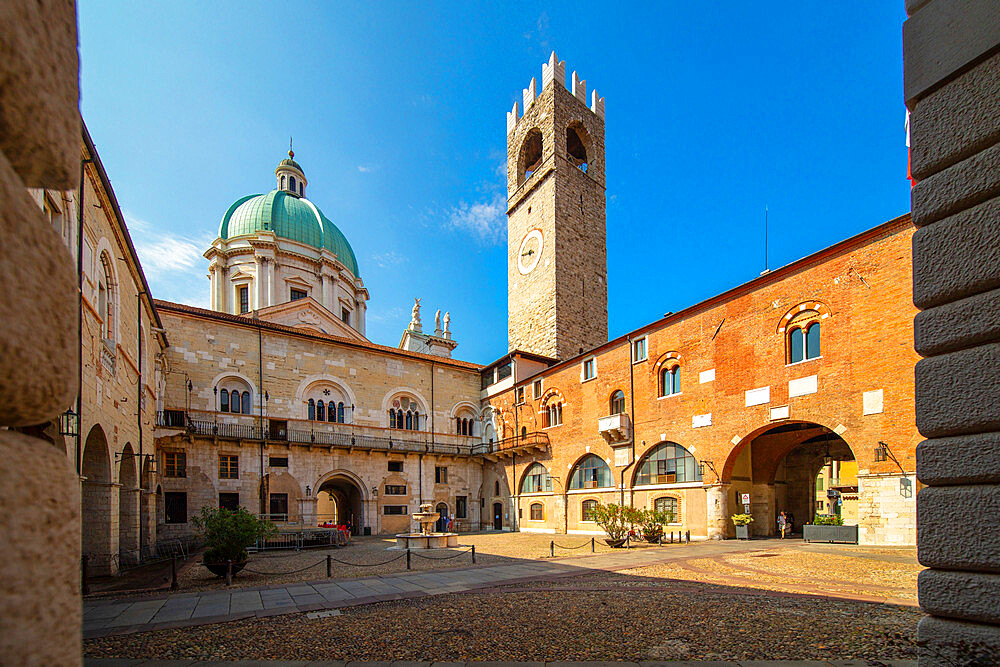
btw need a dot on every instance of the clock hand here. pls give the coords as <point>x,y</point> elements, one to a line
<point>529,253</point>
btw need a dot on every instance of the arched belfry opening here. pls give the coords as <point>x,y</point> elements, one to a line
<point>576,146</point>
<point>530,157</point>
<point>801,468</point>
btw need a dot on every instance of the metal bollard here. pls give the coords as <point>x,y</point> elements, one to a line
<point>660,540</point>
<point>687,536</point>
<point>229,573</point>
<point>473,554</point>
<point>552,549</point>
<point>173,573</point>
<point>627,543</point>
<point>84,586</point>
<point>671,537</point>
<point>407,558</point>
<point>329,566</point>
<point>592,545</point>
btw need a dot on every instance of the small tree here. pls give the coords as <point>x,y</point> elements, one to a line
<point>616,520</point>
<point>227,534</point>
<point>651,522</point>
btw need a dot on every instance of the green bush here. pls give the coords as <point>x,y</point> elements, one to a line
<point>828,520</point>
<point>227,534</point>
<point>616,520</point>
<point>650,522</point>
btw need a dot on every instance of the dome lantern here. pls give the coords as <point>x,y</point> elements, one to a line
<point>289,175</point>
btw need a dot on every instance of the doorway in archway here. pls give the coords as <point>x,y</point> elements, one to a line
<point>128,508</point>
<point>782,469</point>
<point>497,516</point>
<point>442,522</point>
<point>96,503</point>
<point>340,501</point>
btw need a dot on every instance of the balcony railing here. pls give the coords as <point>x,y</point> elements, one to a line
<point>527,440</point>
<point>249,427</point>
<point>615,428</point>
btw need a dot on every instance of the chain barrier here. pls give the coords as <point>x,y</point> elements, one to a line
<point>391,560</point>
<point>307,567</point>
<point>579,546</point>
<point>455,555</point>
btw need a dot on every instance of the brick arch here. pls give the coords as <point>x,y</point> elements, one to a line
<point>820,307</point>
<point>665,357</point>
<point>548,395</point>
<point>775,456</point>
<point>524,475</point>
<point>640,458</point>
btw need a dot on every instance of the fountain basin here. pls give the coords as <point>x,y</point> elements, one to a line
<point>426,540</point>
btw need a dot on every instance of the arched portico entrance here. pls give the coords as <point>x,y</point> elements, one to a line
<point>96,503</point>
<point>128,508</point>
<point>777,467</point>
<point>341,500</point>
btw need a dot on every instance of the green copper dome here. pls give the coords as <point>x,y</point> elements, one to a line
<point>289,217</point>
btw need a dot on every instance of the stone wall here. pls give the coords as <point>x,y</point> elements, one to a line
<point>952,88</point>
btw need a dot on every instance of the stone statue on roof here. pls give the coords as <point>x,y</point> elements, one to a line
<point>437,321</point>
<point>415,315</point>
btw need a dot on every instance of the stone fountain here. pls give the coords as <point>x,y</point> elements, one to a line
<point>426,538</point>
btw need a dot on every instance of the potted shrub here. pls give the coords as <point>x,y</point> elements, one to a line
<point>829,528</point>
<point>651,522</point>
<point>227,534</point>
<point>616,522</point>
<point>742,522</point>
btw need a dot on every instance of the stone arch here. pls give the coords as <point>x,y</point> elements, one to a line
<point>414,396</point>
<point>350,496</point>
<point>96,508</point>
<point>820,307</point>
<point>527,469</point>
<point>314,381</point>
<point>641,459</point>
<point>104,257</point>
<point>529,155</point>
<point>666,357</point>
<point>571,469</point>
<point>128,507</point>
<point>220,379</point>
<point>577,144</point>
<point>147,508</point>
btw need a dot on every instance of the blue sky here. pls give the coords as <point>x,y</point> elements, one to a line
<point>398,115</point>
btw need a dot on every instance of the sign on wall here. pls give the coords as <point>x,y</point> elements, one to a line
<point>745,498</point>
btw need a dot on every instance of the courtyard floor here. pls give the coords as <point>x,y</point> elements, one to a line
<point>704,601</point>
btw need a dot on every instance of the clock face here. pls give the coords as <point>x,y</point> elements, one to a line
<point>530,251</point>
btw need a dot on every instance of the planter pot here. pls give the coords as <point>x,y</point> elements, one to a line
<point>615,544</point>
<point>653,538</point>
<point>841,534</point>
<point>743,532</point>
<point>219,569</point>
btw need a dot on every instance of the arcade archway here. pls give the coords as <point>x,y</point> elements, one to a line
<point>778,468</point>
<point>340,500</point>
<point>128,508</point>
<point>96,502</point>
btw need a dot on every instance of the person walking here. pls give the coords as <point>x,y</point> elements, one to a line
<point>782,524</point>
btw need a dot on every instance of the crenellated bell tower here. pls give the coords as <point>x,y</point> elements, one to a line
<point>556,239</point>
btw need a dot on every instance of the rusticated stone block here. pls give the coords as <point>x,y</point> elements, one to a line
<point>38,311</point>
<point>959,527</point>
<point>964,323</point>
<point>40,570</point>
<point>959,392</point>
<point>966,459</point>
<point>40,92</point>
<point>972,597</point>
<point>948,643</point>
<point>968,183</point>
<point>958,257</point>
<point>957,120</point>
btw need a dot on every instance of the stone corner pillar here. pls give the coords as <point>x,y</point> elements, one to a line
<point>307,511</point>
<point>717,512</point>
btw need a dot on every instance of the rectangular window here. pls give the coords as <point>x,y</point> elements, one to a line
<point>243,291</point>
<point>819,483</point>
<point>175,507</point>
<point>278,462</point>
<point>589,369</point>
<point>297,294</point>
<point>395,489</point>
<point>440,475</point>
<point>229,466</point>
<point>519,395</point>
<point>229,501</point>
<point>536,389</point>
<point>536,512</point>
<point>395,466</point>
<point>503,372</point>
<point>394,510</point>
<point>461,507</point>
<point>174,464</point>
<point>345,316</point>
<point>279,507</point>
<point>639,350</point>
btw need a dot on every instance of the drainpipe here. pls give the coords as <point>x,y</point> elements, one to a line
<point>420,478</point>
<point>631,398</point>
<point>260,410</point>
<point>79,318</point>
<point>138,402</point>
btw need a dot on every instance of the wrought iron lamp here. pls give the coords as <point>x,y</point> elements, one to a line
<point>69,423</point>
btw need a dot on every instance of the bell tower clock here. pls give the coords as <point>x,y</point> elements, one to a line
<point>556,237</point>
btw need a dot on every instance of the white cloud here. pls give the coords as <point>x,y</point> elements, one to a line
<point>390,258</point>
<point>392,315</point>
<point>173,264</point>
<point>485,220</point>
<point>364,169</point>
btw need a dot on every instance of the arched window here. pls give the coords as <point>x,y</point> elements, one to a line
<point>588,510</point>
<point>106,299</point>
<point>409,420</point>
<point>291,183</point>
<point>553,414</point>
<point>670,380</point>
<point>667,463</point>
<point>803,337</point>
<point>300,187</point>
<point>392,419</point>
<point>537,512</point>
<point>312,409</point>
<point>340,412</point>
<point>245,401</point>
<point>224,400</point>
<point>617,402</point>
<point>234,396</point>
<point>282,181</point>
<point>320,411</point>
<point>407,414</point>
<point>524,432</point>
<point>576,149</point>
<point>530,158</point>
<point>496,488</point>
<point>592,472</point>
<point>536,480</point>
<point>668,505</point>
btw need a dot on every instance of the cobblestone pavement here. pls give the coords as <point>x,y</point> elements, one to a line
<point>621,605</point>
<point>99,662</point>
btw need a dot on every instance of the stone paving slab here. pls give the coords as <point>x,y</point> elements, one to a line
<point>118,662</point>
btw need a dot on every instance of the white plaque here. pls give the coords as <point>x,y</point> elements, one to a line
<point>758,396</point>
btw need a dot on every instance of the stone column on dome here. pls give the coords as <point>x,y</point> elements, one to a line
<point>330,293</point>
<point>717,512</point>
<point>272,297</point>
<point>258,279</point>
<point>359,318</point>
<point>221,288</point>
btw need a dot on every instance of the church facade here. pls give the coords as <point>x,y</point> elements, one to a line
<point>273,399</point>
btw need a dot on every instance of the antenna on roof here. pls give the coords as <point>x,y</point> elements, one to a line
<point>766,270</point>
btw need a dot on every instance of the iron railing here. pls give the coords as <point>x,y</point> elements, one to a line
<point>535,439</point>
